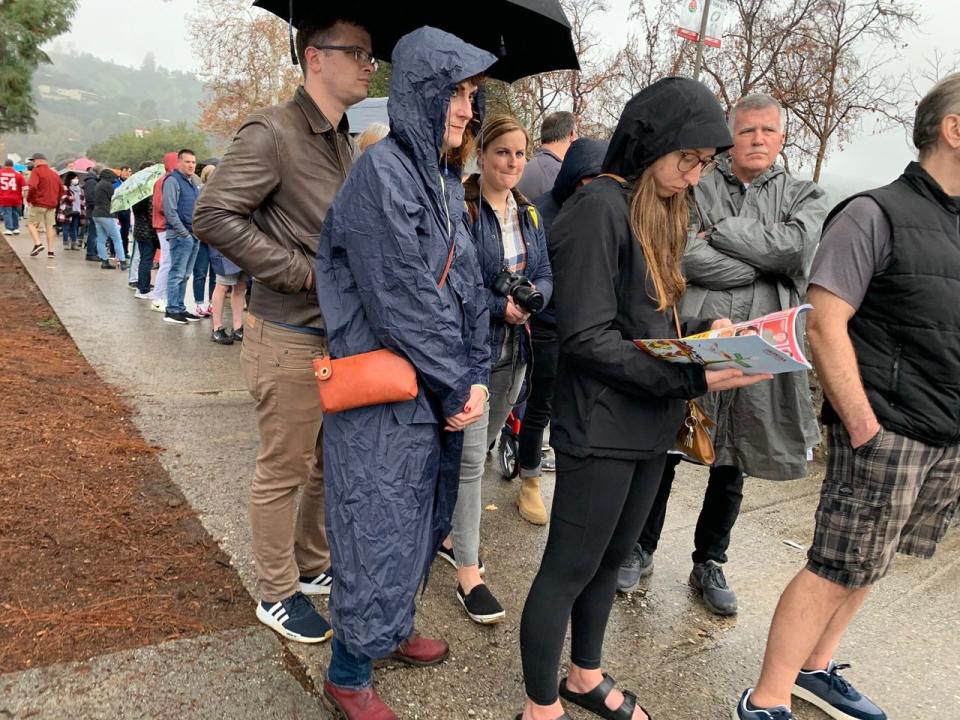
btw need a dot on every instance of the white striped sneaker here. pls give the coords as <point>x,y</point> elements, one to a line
<point>318,585</point>
<point>295,619</point>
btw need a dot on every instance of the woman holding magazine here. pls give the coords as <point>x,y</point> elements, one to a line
<point>616,251</point>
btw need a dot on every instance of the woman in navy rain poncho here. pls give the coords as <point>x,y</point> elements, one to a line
<point>391,471</point>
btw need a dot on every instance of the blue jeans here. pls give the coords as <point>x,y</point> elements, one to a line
<point>183,253</point>
<point>107,228</point>
<point>349,671</point>
<point>201,272</point>
<point>11,218</point>
<point>71,229</point>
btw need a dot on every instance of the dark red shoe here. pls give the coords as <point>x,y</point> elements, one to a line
<point>356,704</point>
<point>421,651</point>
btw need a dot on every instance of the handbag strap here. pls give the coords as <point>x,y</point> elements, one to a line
<point>676,322</point>
<point>446,268</point>
<point>619,179</point>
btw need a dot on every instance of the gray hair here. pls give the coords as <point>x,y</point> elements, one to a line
<point>557,127</point>
<point>942,100</point>
<point>756,101</point>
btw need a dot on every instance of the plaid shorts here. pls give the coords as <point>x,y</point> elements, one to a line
<point>893,494</point>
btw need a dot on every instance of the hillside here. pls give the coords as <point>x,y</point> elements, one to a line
<point>79,97</point>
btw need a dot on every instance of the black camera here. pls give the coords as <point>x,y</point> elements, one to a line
<point>519,287</point>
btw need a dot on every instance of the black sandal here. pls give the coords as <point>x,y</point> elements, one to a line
<point>594,700</point>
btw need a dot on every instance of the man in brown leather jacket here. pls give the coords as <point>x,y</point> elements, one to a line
<point>264,209</point>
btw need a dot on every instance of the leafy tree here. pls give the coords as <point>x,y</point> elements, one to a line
<point>24,27</point>
<point>128,149</point>
<point>380,82</point>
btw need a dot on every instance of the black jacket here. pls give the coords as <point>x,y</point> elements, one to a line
<point>103,194</point>
<point>89,183</point>
<point>613,400</point>
<point>906,332</point>
<point>583,159</point>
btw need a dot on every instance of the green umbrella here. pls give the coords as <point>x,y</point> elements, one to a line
<point>135,188</point>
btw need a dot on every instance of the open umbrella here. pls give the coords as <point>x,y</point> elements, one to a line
<point>528,36</point>
<point>82,163</point>
<point>135,188</point>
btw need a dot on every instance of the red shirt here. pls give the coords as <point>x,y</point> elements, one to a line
<point>11,187</point>
<point>44,187</point>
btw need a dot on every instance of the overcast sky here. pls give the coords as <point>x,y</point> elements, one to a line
<point>125,31</point>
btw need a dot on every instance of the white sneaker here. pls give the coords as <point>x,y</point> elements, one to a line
<point>8,232</point>
<point>159,306</point>
<point>17,231</point>
<point>143,296</point>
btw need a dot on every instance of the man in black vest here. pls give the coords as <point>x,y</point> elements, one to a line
<point>885,335</point>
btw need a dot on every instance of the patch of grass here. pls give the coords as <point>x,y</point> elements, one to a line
<point>51,323</point>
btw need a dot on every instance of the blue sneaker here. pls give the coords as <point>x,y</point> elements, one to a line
<point>743,711</point>
<point>316,584</point>
<point>295,619</point>
<point>835,696</point>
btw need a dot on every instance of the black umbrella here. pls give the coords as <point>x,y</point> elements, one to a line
<point>528,36</point>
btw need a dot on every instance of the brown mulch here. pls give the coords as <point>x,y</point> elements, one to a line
<point>99,551</point>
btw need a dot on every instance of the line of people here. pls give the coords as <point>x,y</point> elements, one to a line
<point>161,223</point>
<point>392,250</point>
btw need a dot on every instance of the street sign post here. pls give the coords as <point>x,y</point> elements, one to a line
<point>700,22</point>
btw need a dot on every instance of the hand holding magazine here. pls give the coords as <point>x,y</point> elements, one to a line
<point>768,344</point>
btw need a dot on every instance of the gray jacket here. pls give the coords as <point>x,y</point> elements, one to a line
<point>755,259</point>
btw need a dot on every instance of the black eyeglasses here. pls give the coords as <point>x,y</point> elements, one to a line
<point>688,161</point>
<point>359,54</point>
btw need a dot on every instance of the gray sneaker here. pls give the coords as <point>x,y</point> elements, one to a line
<point>636,567</point>
<point>709,580</point>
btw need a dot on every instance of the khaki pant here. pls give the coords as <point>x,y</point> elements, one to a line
<point>277,366</point>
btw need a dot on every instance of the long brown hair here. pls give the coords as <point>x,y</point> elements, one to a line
<point>661,227</point>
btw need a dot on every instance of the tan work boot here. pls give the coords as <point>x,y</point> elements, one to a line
<point>529,502</point>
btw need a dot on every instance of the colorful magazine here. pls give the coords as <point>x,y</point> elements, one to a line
<point>769,344</point>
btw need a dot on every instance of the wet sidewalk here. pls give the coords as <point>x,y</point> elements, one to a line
<point>188,396</point>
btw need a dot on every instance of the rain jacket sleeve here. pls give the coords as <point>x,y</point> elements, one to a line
<point>398,288</point>
<point>480,349</point>
<point>586,259</point>
<point>782,248</point>
<point>706,266</point>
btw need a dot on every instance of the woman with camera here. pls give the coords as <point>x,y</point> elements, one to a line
<point>616,249</point>
<point>512,250</point>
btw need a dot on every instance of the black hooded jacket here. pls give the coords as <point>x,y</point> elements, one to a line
<point>617,401</point>
<point>103,193</point>
<point>583,159</point>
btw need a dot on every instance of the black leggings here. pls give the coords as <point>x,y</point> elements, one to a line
<point>599,507</point>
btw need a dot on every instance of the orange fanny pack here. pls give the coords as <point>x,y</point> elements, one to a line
<point>371,378</point>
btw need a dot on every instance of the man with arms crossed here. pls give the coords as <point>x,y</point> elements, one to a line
<point>885,334</point>
<point>758,229</point>
<point>282,171</point>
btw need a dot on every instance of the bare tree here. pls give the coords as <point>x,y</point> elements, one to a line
<point>244,62</point>
<point>829,78</point>
<point>759,32</point>
<point>536,96</point>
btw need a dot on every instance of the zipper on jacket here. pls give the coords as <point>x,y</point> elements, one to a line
<point>895,371</point>
<point>446,209</point>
